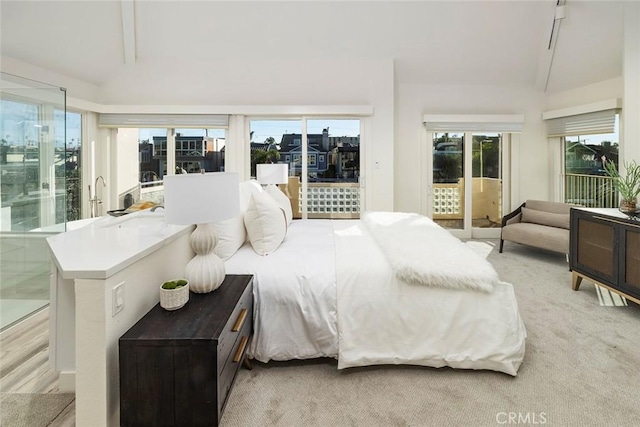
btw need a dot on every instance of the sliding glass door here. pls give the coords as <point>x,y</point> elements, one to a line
<point>333,169</point>
<point>448,208</point>
<point>34,161</point>
<point>324,161</point>
<point>487,180</point>
<point>467,182</point>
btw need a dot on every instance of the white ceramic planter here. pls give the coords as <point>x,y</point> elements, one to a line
<point>173,299</point>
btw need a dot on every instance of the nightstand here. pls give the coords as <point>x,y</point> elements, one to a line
<point>177,367</point>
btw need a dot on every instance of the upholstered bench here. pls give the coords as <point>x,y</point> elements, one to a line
<point>540,224</point>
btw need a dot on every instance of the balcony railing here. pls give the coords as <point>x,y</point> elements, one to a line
<point>592,191</point>
<point>329,200</point>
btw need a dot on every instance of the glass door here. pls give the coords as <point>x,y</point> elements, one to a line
<point>333,168</point>
<point>448,194</point>
<point>486,191</point>
<point>467,182</point>
<point>324,158</point>
<point>35,162</point>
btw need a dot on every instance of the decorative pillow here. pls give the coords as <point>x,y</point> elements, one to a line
<point>545,218</point>
<point>282,200</point>
<point>231,235</point>
<point>231,232</point>
<point>247,189</point>
<point>266,223</point>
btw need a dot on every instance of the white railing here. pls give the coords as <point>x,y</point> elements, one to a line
<point>331,200</point>
<point>593,191</point>
<point>448,200</point>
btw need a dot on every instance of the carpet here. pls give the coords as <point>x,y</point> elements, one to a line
<point>31,410</point>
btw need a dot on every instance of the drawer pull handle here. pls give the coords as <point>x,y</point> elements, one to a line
<point>241,318</point>
<point>238,355</point>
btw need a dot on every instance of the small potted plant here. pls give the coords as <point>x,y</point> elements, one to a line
<point>174,294</point>
<point>628,185</point>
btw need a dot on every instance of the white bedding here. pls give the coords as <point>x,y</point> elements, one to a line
<point>421,252</point>
<point>294,294</point>
<point>381,319</point>
<point>384,320</point>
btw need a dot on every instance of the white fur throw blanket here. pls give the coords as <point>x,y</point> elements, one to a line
<point>422,252</point>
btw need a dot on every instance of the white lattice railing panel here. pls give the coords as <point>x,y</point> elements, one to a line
<point>447,200</point>
<point>332,200</point>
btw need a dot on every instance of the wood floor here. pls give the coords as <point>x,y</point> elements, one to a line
<point>24,363</point>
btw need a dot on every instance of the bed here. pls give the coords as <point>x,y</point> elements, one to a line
<point>335,288</point>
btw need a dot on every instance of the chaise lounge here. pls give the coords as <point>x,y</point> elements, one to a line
<point>540,224</point>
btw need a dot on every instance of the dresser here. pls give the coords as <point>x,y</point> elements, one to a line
<point>605,248</point>
<point>177,367</point>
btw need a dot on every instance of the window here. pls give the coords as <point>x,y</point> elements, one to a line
<point>35,150</point>
<point>272,141</point>
<point>582,138</point>
<point>195,150</point>
<point>69,162</point>
<point>585,180</point>
<point>328,189</point>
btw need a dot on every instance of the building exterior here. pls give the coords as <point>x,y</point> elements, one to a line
<point>193,154</point>
<point>329,158</point>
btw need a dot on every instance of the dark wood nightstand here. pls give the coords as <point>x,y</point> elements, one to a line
<point>177,367</point>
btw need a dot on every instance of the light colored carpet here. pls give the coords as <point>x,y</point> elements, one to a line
<point>580,369</point>
<point>31,410</point>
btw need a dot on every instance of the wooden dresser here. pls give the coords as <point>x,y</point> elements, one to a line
<point>605,248</point>
<point>177,367</point>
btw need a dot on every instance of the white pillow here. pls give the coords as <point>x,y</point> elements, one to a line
<point>247,189</point>
<point>231,232</point>
<point>282,200</point>
<point>266,223</point>
<point>231,235</point>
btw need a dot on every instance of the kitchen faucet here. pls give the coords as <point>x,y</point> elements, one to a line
<point>94,202</point>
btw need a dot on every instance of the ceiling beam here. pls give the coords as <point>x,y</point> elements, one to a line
<point>128,31</point>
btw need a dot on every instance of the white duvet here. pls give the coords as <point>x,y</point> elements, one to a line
<point>329,291</point>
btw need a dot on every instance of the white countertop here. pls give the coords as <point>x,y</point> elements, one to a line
<point>109,244</point>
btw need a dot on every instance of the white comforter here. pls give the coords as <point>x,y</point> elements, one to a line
<point>294,294</point>
<point>329,291</point>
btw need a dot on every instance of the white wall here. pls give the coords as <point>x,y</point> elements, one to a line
<point>128,163</point>
<point>601,91</point>
<point>75,88</point>
<point>395,127</point>
<point>631,71</point>
<point>413,101</point>
<point>278,83</point>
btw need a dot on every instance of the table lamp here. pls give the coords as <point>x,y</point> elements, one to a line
<point>202,199</point>
<point>273,173</point>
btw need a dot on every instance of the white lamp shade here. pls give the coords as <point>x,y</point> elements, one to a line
<point>201,198</point>
<point>272,173</point>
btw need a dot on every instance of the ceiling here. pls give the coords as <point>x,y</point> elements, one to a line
<point>431,42</point>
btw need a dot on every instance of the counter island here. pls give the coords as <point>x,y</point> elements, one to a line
<point>106,276</point>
